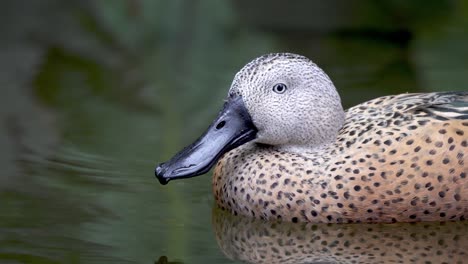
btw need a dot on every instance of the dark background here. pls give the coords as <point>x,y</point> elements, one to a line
<point>93,94</point>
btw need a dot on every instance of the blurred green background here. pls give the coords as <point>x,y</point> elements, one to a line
<point>95,93</point>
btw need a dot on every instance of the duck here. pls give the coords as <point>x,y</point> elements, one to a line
<point>283,148</point>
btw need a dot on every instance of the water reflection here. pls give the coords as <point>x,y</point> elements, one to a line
<point>165,260</point>
<point>256,241</point>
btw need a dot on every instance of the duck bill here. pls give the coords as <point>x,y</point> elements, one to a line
<point>232,128</point>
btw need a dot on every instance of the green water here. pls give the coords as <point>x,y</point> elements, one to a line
<point>95,93</point>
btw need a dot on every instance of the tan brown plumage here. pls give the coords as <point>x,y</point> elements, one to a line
<point>397,158</point>
<point>292,153</point>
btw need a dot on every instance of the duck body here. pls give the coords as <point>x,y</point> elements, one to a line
<point>396,159</point>
<point>284,148</point>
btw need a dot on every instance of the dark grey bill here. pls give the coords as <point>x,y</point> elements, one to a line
<point>232,128</point>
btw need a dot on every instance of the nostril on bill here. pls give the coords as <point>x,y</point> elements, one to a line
<point>220,124</point>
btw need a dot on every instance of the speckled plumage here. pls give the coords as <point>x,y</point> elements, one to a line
<point>396,158</point>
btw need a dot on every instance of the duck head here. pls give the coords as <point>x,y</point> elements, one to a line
<point>282,99</point>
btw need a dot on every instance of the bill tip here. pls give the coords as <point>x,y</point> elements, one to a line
<point>158,172</point>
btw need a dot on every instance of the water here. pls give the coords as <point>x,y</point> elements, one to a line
<point>255,241</point>
<point>94,95</point>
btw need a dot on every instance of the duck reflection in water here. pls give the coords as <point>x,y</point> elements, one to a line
<point>255,241</point>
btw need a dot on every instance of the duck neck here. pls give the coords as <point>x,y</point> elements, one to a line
<point>319,134</point>
<point>304,148</point>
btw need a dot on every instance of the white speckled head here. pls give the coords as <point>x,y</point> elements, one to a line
<point>307,114</point>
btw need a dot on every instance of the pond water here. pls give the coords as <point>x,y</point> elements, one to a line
<point>94,95</point>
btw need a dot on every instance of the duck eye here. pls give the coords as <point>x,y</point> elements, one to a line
<point>279,88</point>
